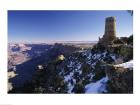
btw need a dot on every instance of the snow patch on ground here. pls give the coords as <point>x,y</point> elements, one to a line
<point>128,64</point>
<point>97,87</point>
<point>70,87</point>
<point>113,57</point>
<point>71,81</point>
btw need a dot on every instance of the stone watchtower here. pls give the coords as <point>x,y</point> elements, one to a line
<point>110,31</point>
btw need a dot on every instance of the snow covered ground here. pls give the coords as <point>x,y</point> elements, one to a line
<point>97,87</point>
<point>128,64</point>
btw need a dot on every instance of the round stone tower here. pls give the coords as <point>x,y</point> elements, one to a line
<point>110,31</point>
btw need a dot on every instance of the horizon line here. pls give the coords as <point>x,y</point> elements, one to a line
<point>54,42</point>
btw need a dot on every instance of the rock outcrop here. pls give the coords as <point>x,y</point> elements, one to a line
<point>120,79</point>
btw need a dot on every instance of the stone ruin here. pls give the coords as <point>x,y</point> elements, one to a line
<point>110,32</point>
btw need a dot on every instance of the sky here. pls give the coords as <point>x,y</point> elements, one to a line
<point>45,26</point>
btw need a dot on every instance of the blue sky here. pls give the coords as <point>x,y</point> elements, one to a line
<point>42,26</point>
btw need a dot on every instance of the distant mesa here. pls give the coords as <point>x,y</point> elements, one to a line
<point>110,31</point>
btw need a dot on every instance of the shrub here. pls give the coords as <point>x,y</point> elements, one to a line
<point>79,88</point>
<point>86,69</point>
<point>130,40</point>
<point>126,53</point>
<point>98,48</point>
<point>99,72</point>
<point>118,41</point>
